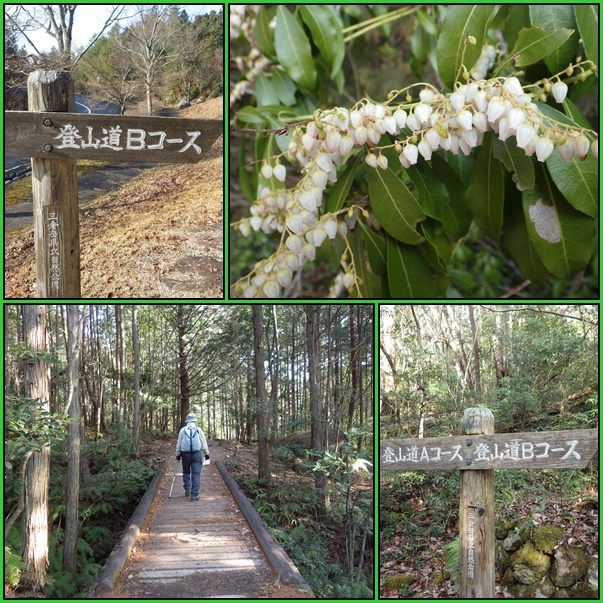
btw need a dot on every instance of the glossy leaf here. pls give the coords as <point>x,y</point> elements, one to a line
<point>264,91</point>
<point>325,26</point>
<point>376,249</point>
<point>394,205</point>
<point>575,114</point>
<point>534,44</point>
<point>369,284</point>
<point>518,242</point>
<point>461,21</point>
<point>485,194</point>
<point>436,249</point>
<point>552,17</point>
<point>433,196</point>
<point>284,87</point>
<point>339,192</point>
<point>409,275</point>
<point>293,49</point>
<point>456,216</point>
<point>587,17</point>
<point>263,33</point>
<point>562,236</point>
<point>519,17</point>
<point>516,162</point>
<point>250,116</point>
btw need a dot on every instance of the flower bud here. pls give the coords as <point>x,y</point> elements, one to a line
<point>283,277</point>
<point>280,172</point>
<point>348,280</point>
<point>594,147</point>
<point>267,171</point>
<point>582,145</point>
<point>371,159</point>
<point>382,162</point>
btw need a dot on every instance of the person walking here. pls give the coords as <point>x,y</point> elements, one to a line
<point>191,441</point>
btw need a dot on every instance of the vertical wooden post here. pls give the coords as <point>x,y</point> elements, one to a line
<point>54,191</point>
<point>476,516</point>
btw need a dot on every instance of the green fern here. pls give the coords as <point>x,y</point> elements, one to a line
<point>453,561</point>
<point>13,566</point>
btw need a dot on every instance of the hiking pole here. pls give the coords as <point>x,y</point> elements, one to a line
<point>173,480</point>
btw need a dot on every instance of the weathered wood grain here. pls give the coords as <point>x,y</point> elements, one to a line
<point>54,193</point>
<point>88,136</point>
<point>564,449</point>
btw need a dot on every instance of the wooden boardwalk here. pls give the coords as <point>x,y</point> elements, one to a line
<point>195,550</point>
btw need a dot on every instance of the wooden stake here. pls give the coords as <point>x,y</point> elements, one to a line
<point>55,200</point>
<point>476,515</point>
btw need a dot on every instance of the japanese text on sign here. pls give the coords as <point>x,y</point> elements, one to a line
<point>514,450</point>
<point>54,248</point>
<point>132,139</point>
<point>471,546</point>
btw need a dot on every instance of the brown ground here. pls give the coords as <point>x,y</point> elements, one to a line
<point>159,236</point>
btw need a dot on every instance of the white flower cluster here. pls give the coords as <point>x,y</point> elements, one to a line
<point>455,122</point>
<point>242,20</point>
<point>484,63</point>
<point>256,64</point>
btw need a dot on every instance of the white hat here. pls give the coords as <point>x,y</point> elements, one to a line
<point>191,417</point>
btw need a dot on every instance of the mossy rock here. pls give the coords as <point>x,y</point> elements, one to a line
<point>570,566</point>
<point>398,582</point>
<point>439,576</point>
<point>525,527</point>
<point>547,537</point>
<point>529,565</point>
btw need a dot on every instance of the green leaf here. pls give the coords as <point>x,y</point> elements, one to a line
<point>250,116</point>
<point>534,44</point>
<point>516,162</point>
<point>264,92</point>
<point>554,17</point>
<point>587,17</point>
<point>369,284</point>
<point>436,249</point>
<point>284,87</point>
<point>244,178</point>
<point>376,249</point>
<point>575,114</point>
<point>409,275</point>
<point>339,192</point>
<point>519,17</point>
<point>394,205</point>
<point>263,33</point>
<point>433,196</point>
<point>562,236</point>
<point>293,49</point>
<point>577,180</point>
<point>325,26</point>
<point>456,217</point>
<point>485,195</point>
<point>518,242</point>
<point>461,21</point>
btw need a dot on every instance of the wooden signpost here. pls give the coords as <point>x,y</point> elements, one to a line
<point>54,136</point>
<point>476,454</point>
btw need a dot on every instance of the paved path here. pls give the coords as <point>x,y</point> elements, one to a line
<point>89,186</point>
<point>195,550</point>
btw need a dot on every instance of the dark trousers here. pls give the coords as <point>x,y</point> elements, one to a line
<point>191,471</point>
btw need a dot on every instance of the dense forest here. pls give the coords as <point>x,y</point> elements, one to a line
<point>157,53</point>
<point>536,368</point>
<point>92,391</point>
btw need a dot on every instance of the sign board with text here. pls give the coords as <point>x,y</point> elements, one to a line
<point>54,135</point>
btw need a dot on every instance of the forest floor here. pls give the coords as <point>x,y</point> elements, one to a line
<point>158,236</point>
<point>425,562</point>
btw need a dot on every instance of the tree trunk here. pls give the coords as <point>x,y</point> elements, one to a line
<point>475,346</point>
<point>317,431</point>
<point>182,366</point>
<point>354,345</point>
<point>36,380</point>
<point>119,360</point>
<point>260,388</point>
<point>136,352</point>
<point>73,455</point>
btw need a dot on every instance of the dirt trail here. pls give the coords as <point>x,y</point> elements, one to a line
<point>158,236</point>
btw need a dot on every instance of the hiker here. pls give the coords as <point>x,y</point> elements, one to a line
<point>191,441</point>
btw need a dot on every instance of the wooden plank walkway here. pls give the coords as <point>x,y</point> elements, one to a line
<point>195,550</point>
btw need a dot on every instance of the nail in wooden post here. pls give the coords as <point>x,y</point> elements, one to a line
<point>476,515</point>
<point>54,191</point>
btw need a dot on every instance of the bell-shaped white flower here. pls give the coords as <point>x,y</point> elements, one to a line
<point>582,145</point>
<point>371,159</point>
<point>382,162</point>
<point>380,111</point>
<point>292,261</point>
<point>516,117</point>
<point>348,280</point>
<point>373,134</point>
<point>423,112</point>
<point>295,224</point>
<point>465,120</point>
<point>256,222</point>
<point>319,178</point>
<point>355,118</point>
<point>361,134</point>
<point>267,171</point>
<point>411,153</point>
<point>433,138</point>
<point>280,172</point>
<point>512,86</point>
<point>333,140</point>
<point>389,123</point>
<point>413,122</point>
<point>425,149</point>
<point>480,121</point>
<point>309,252</point>
<point>559,90</point>
<point>457,99</point>
<point>496,108</point>
<point>308,142</point>
<point>294,244</point>
<point>346,144</point>
<point>525,134</point>
<point>330,227</point>
<point>400,117</point>
<point>272,289</point>
<point>480,101</point>
<point>324,162</point>
<point>544,147</point>
<point>567,150</point>
<point>319,236</point>
<point>283,277</point>
<point>594,147</point>
<point>426,95</point>
<point>504,131</point>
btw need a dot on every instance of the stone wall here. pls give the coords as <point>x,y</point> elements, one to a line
<point>534,565</point>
